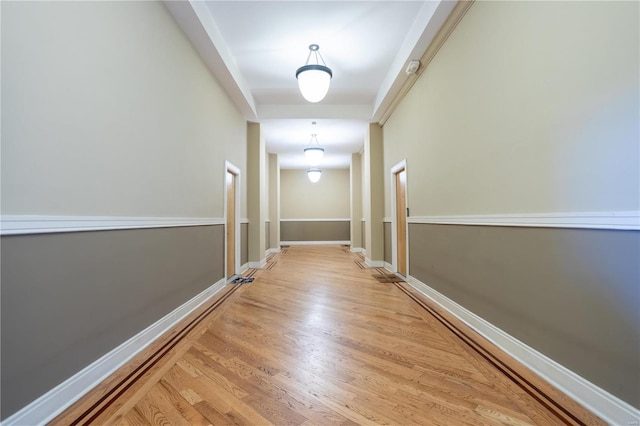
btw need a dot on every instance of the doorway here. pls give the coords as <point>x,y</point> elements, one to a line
<point>399,225</point>
<point>232,245</point>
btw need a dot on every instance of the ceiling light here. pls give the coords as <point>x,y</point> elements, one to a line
<point>314,155</point>
<point>314,175</point>
<point>314,152</point>
<point>314,79</point>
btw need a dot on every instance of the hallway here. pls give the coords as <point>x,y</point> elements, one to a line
<point>316,339</point>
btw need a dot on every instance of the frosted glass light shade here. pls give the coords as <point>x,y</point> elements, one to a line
<point>314,175</point>
<point>313,81</point>
<point>314,155</point>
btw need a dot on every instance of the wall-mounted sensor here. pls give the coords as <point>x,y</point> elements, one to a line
<point>412,67</point>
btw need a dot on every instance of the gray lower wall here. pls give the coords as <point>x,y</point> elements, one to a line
<point>244,243</point>
<point>69,298</point>
<point>388,254</point>
<point>363,224</point>
<point>315,231</point>
<point>274,234</point>
<point>571,294</point>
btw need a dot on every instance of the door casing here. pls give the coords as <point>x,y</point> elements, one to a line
<point>397,221</point>
<point>232,221</point>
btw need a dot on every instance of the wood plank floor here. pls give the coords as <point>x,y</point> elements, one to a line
<point>316,339</point>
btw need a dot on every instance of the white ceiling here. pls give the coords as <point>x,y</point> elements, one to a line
<point>255,47</point>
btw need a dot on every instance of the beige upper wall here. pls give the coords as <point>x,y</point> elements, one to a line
<point>256,194</point>
<point>528,107</point>
<point>327,199</point>
<point>108,110</point>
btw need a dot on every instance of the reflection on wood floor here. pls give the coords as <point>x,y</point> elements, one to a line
<point>320,339</point>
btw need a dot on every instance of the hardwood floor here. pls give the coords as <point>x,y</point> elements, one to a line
<point>316,339</point>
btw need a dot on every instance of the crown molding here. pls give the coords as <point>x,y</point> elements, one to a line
<point>194,18</point>
<point>444,20</point>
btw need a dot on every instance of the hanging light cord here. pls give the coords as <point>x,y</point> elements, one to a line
<point>315,50</point>
<point>314,137</point>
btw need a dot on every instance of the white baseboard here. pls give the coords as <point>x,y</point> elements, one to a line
<point>244,268</point>
<point>273,250</point>
<point>332,219</point>
<point>610,408</point>
<point>308,243</point>
<point>388,266</point>
<point>356,249</point>
<point>373,263</point>
<point>258,265</point>
<point>58,399</point>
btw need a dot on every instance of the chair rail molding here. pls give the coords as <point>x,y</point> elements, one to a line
<point>36,224</point>
<point>623,220</point>
<point>309,243</point>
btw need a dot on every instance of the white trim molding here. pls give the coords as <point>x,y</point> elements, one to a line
<point>387,219</point>
<point>58,399</point>
<point>623,220</point>
<point>35,224</point>
<point>258,265</point>
<point>230,168</point>
<point>607,406</point>
<point>356,249</point>
<point>273,250</point>
<point>317,220</point>
<point>374,263</point>
<point>402,165</point>
<point>244,220</point>
<point>313,243</point>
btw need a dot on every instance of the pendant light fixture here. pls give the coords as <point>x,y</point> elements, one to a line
<point>314,152</point>
<point>314,79</point>
<point>314,175</point>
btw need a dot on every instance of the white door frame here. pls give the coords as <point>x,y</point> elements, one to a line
<point>229,167</point>
<point>394,220</point>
